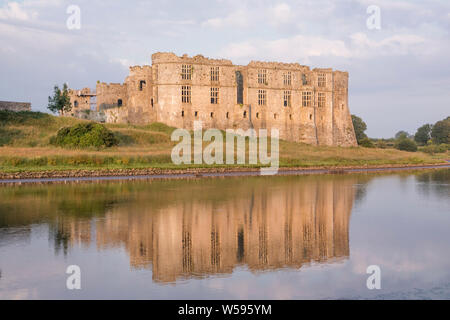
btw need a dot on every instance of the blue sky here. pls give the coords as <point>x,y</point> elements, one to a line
<point>399,75</point>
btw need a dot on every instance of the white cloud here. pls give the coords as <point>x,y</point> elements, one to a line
<point>16,11</point>
<point>280,14</point>
<point>303,48</point>
<point>238,18</point>
<point>400,44</point>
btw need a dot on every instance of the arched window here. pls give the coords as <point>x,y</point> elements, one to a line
<point>119,102</point>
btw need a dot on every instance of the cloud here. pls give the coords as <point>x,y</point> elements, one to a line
<point>280,14</point>
<point>238,18</point>
<point>303,48</point>
<point>38,50</point>
<point>15,11</point>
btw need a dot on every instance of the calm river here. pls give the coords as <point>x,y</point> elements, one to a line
<point>292,237</point>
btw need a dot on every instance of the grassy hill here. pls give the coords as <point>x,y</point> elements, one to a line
<point>25,145</point>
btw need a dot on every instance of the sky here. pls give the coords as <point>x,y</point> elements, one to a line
<point>399,72</point>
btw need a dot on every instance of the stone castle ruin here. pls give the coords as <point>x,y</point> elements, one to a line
<point>305,105</point>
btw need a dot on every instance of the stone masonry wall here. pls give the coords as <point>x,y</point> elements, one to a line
<point>15,106</point>
<point>305,105</point>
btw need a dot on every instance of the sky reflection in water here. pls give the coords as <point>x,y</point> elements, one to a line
<point>255,237</point>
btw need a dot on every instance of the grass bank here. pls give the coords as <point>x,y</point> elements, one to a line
<point>25,146</point>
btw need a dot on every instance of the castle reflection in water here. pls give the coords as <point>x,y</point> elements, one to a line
<point>196,229</point>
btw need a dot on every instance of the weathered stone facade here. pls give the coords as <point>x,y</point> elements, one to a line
<point>305,105</point>
<point>15,106</point>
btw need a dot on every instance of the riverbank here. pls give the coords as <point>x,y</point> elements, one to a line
<point>26,153</point>
<point>116,174</point>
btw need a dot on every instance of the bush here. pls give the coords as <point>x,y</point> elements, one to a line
<point>366,143</point>
<point>406,145</point>
<point>441,148</point>
<point>85,135</point>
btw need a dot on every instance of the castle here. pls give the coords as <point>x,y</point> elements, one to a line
<point>309,106</point>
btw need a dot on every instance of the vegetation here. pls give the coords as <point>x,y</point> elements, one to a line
<point>441,131</point>
<point>406,144</point>
<point>85,135</point>
<point>360,127</point>
<point>436,148</point>
<point>402,135</point>
<point>25,138</point>
<point>423,134</point>
<point>366,142</point>
<point>60,102</point>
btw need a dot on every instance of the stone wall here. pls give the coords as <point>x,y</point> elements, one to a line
<point>15,106</point>
<point>154,93</point>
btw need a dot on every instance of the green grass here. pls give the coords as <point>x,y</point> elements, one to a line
<point>25,146</point>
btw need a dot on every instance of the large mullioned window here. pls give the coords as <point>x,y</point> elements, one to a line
<point>287,98</point>
<point>214,95</point>
<point>262,76</point>
<point>262,97</point>
<point>321,80</point>
<point>215,74</point>
<point>307,98</point>
<point>186,94</point>
<point>287,78</point>
<point>321,100</point>
<point>186,72</point>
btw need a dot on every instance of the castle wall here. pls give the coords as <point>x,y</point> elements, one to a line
<point>15,106</point>
<point>343,131</point>
<point>80,101</point>
<point>140,95</point>
<point>309,106</point>
<point>109,94</point>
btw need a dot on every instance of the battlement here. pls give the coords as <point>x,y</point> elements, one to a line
<point>169,57</point>
<point>277,65</point>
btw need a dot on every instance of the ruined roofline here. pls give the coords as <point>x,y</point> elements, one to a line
<point>140,68</point>
<point>277,65</point>
<point>170,57</point>
<point>112,84</point>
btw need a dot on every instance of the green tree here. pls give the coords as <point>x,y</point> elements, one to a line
<point>360,126</point>
<point>423,134</point>
<point>406,144</point>
<point>60,102</point>
<point>441,131</point>
<point>402,135</point>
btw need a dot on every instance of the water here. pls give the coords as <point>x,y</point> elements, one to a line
<point>291,237</point>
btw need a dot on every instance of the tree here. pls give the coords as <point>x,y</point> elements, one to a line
<point>441,131</point>
<point>406,144</point>
<point>360,126</point>
<point>423,134</point>
<point>402,135</point>
<point>60,102</point>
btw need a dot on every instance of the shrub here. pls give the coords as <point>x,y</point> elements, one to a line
<point>366,143</point>
<point>85,135</point>
<point>441,148</point>
<point>406,145</point>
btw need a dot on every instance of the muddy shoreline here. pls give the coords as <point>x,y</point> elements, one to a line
<point>152,173</point>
